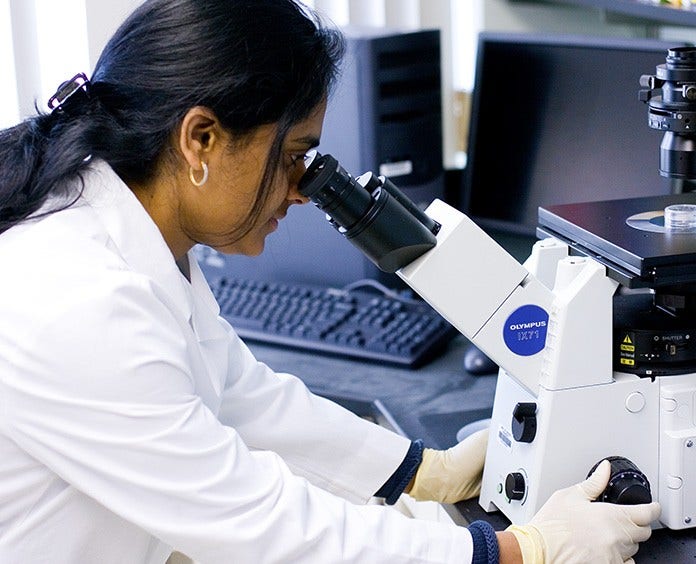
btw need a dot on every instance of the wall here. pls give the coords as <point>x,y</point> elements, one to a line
<point>102,20</point>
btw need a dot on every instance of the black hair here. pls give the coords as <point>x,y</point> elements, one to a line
<point>252,62</point>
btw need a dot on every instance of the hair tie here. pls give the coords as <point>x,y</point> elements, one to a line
<point>70,95</point>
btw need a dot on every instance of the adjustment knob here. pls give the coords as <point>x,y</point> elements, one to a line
<point>689,91</point>
<point>524,422</point>
<point>627,484</point>
<point>515,486</point>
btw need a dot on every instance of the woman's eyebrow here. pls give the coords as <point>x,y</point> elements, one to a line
<point>310,140</point>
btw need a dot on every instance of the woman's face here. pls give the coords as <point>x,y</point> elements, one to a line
<point>213,213</point>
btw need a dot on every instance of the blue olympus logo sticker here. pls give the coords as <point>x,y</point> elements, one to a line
<point>525,330</point>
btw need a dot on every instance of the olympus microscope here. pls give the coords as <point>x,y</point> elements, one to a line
<point>595,334</point>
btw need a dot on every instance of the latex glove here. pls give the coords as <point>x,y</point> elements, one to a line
<point>572,529</point>
<point>451,475</point>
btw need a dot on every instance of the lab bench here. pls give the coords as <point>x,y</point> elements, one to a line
<point>431,403</point>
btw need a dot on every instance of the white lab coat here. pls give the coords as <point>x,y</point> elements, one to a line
<point>133,421</point>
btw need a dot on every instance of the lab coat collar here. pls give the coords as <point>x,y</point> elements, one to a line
<point>206,326</point>
<point>137,237</point>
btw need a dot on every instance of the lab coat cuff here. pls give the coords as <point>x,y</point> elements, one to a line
<point>486,549</point>
<point>397,482</point>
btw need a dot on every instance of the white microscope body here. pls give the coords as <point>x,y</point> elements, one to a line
<point>559,407</point>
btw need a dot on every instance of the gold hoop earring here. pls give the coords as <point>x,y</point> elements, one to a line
<point>203,180</point>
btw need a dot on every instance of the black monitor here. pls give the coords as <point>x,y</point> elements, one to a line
<point>557,119</point>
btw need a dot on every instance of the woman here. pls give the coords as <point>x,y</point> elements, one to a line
<point>133,421</point>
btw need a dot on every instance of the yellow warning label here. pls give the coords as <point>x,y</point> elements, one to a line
<point>627,340</point>
<point>629,348</point>
<point>628,361</point>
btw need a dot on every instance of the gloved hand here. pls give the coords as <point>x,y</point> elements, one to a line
<point>570,528</point>
<point>451,475</point>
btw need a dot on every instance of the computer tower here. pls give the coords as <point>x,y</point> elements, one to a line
<point>384,116</point>
<point>386,112</point>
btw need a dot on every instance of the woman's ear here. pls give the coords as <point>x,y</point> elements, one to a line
<point>199,136</point>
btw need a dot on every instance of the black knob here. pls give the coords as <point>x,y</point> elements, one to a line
<point>627,484</point>
<point>689,92</point>
<point>524,422</point>
<point>515,485</point>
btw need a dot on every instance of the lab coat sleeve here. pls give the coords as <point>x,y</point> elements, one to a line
<point>320,440</point>
<point>100,392</point>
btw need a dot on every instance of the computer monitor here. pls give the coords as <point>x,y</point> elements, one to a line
<point>557,119</point>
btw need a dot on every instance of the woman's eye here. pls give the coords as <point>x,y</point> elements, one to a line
<point>294,159</point>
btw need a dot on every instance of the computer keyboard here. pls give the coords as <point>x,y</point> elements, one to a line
<point>354,322</point>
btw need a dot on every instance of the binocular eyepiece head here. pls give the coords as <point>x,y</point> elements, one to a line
<point>370,211</point>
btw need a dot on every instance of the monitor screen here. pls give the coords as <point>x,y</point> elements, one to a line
<point>557,120</point>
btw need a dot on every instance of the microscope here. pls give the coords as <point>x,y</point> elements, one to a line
<point>595,334</point>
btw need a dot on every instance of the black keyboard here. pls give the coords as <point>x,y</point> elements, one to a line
<point>355,322</point>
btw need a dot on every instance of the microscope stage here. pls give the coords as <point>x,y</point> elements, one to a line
<point>629,237</point>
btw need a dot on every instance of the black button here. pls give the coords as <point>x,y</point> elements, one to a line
<point>515,486</point>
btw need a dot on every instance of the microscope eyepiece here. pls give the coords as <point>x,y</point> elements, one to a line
<point>370,212</point>
<point>335,192</point>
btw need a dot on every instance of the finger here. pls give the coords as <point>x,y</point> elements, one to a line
<point>643,514</point>
<point>480,440</point>
<point>473,448</point>
<point>641,534</point>
<point>475,439</point>
<point>597,481</point>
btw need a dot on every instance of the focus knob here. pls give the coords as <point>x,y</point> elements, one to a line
<point>515,486</point>
<point>524,422</point>
<point>627,484</point>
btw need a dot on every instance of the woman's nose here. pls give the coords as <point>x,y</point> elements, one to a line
<point>294,194</point>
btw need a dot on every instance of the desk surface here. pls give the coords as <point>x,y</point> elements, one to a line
<point>433,403</point>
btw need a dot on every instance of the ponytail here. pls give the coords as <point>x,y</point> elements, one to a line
<point>22,152</point>
<point>40,155</point>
